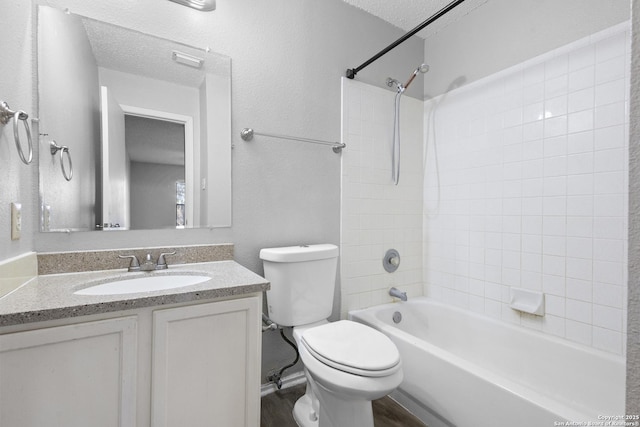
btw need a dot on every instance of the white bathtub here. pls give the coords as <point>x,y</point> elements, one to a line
<point>468,370</point>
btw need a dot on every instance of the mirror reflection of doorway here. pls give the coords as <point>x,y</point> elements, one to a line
<point>156,157</point>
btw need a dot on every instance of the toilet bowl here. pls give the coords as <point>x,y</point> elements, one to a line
<point>347,364</point>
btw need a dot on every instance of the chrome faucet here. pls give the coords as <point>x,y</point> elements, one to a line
<point>134,265</point>
<point>148,264</point>
<point>162,263</point>
<point>397,293</point>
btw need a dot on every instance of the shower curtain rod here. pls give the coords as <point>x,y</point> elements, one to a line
<point>351,73</point>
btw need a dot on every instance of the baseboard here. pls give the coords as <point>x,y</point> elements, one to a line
<point>289,381</point>
<point>418,409</point>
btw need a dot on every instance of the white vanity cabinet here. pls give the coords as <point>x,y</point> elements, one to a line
<point>189,364</point>
<point>75,375</point>
<point>205,365</point>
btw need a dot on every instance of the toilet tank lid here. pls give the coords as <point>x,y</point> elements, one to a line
<point>299,253</point>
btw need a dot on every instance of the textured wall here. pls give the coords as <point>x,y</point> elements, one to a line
<point>287,60</point>
<point>503,33</point>
<point>633,320</point>
<point>18,182</point>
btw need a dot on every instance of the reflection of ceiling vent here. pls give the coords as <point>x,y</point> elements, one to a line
<point>202,5</point>
<point>186,59</point>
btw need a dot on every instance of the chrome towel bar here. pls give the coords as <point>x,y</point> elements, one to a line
<point>7,114</point>
<point>247,135</point>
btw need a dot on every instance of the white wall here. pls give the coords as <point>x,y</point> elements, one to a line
<point>376,214</point>
<point>502,33</point>
<point>530,191</point>
<point>18,182</point>
<point>144,92</point>
<point>158,95</point>
<point>69,74</point>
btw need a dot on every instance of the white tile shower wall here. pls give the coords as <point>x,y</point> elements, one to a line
<point>376,214</point>
<point>526,187</point>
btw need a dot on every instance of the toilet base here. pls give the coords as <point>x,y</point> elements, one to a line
<point>309,412</point>
<point>307,409</point>
<point>340,410</point>
<point>302,413</point>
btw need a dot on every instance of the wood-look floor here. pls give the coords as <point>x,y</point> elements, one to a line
<point>276,410</point>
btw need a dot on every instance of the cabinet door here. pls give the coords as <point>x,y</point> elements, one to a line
<point>67,376</point>
<point>206,365</point>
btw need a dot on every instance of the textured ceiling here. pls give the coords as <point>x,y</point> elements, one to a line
<point>408,14</point>
<point>129,51</point>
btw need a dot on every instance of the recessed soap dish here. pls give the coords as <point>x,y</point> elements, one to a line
<point>527,301</point>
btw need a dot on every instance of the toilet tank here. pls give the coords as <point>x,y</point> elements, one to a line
<point>302,282</point>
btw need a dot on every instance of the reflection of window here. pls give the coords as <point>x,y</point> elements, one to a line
<point>180,191</point>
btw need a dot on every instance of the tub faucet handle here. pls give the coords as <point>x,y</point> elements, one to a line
<point>391,260</point>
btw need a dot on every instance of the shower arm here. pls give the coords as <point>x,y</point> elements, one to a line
<point>413,76</point>
<point>351,72</point>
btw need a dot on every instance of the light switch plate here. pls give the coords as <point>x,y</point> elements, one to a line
<point>16,220</point>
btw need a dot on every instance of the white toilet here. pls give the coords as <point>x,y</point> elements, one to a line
<point>347,364</point>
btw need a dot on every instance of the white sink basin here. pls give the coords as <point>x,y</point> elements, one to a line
<point>143,284</point>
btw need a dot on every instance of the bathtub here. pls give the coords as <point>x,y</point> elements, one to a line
<point>467,370</point>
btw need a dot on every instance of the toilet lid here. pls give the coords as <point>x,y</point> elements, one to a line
<point>352,347</point>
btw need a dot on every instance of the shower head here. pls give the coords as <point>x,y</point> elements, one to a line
<point>423,68</point>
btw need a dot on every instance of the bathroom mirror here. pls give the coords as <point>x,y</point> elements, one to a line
<point>146,123</point>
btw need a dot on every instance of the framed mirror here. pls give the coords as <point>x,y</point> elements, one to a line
<point>144,126</point>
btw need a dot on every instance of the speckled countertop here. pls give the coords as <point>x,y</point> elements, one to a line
<point>52,297</point>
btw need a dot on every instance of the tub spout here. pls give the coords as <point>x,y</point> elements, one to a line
<point>394,292</point>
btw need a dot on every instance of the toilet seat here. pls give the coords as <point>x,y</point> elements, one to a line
<point>353,348</point>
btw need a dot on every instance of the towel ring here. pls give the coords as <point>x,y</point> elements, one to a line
<point>5,114</point>
<point>54,147</point>
<point>22,116</point>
